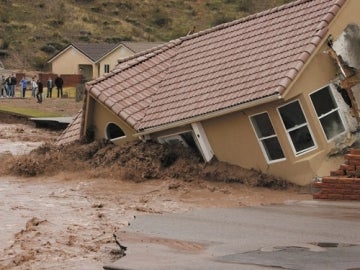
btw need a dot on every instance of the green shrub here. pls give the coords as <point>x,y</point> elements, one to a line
<point>48,49</point>
<point>4,53</point>
<point>245,5</point>
<point>4,44</point>
<point>40,62</point>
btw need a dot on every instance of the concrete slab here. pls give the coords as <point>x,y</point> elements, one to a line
<point>52,122</point>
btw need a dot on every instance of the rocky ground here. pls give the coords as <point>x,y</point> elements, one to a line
<point>61,205</point>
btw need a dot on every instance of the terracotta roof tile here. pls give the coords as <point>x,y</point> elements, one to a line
<point>72,132</point>
<point>222,67</point>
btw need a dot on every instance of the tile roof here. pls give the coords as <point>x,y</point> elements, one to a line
<point>72,132</point>
<point>220,68</point>
<point>95,51</point>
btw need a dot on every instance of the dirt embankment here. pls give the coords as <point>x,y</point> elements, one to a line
<point>135,161</point>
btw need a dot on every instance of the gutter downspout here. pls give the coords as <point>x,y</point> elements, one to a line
<point>210,115</point>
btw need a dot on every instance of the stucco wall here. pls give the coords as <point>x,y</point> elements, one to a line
<point>101,117</point>
<point>112,58</point>
<point>68,62</point>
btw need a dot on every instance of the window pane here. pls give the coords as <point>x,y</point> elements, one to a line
<point>273,148</point>
<point>262,125</point>
<point>301,139</point>
<point>323,101</point>
<point>332,125</point>
<point>292,115</point>
<point>264,129</point>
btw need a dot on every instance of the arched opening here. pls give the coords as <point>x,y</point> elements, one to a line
<point>113,131</point>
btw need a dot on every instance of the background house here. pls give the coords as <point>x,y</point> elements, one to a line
<point>93,60</point>
<point>260,92</point>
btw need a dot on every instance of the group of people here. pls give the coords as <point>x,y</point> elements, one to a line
<point>8,86</point>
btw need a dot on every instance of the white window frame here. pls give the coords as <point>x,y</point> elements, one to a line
<point>260,140</point>
<point>331,88</point>
<point>306,123</point>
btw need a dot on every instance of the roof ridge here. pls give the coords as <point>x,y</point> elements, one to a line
<point>77,44</point>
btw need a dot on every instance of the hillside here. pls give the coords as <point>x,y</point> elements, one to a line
<point>32,31</point>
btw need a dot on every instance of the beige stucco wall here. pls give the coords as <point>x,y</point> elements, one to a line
<point>99,117</point>
<point>233,140</point>
<point>112,58</point>
<point>68,62</point>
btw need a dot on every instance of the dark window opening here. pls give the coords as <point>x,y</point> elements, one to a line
<point>106,68</point>
<point>297,127</point>
<point>327,112</point>
<point>267,136</point>
<point>114,131</point>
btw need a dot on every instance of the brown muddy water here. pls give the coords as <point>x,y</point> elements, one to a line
<point>67,221</point>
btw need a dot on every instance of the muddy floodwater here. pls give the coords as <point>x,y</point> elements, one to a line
<point>67,221</point>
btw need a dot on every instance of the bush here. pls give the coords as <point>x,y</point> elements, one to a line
<point>4,44</point>
<point>48,49</point>
<point>245,5</point>
<point>162,21</point>
<point>40,62</point>
<point>221,18</point>
<point>4,53</point>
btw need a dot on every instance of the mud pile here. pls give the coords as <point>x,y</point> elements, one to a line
<point>135,161</point>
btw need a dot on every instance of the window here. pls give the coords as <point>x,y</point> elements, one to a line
<point>327,112</point>
<point>106,68</point>
<point>296,126</point>
<point>266,135</point>
<point>113,131</point>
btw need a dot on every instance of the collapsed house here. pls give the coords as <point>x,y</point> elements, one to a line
<point>267,91</point>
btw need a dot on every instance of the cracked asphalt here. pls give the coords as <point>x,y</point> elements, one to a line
<point>297,235</point>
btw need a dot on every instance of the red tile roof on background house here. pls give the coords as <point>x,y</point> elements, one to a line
<point>217,69</point>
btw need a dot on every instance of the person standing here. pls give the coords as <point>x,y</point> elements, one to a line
<point>59,85</point>
<point>49,85</point>
<point>23,86</point>
<point>13,82</point>
<point>39,91</point>
<point>8,85</point>
<point>34,86</point>
<point>2,86</point>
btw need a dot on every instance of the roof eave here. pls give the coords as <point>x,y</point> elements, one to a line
<point>59,53</point>
<point>119,45</point>
<point>207,116</point>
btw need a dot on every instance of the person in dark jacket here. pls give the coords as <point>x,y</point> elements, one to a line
<point>59,85</point>
<point>39,91</point>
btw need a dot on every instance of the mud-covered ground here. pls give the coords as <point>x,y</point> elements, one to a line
<point>59,206</point>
